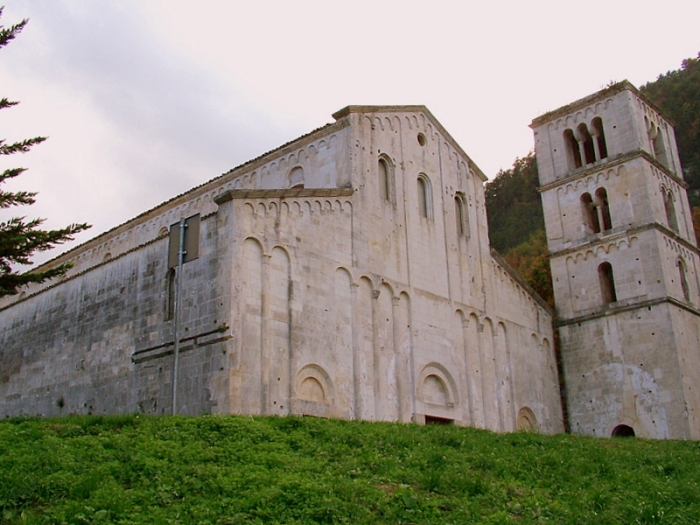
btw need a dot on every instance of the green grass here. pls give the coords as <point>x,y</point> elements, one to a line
<point>231,470</point>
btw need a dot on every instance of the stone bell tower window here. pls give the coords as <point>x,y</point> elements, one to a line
<point>670,210</point>
<point>600,138</point>
<point>590,213</point>
<point>603,208</point>
<point>587,143</point>
<point>684,280</point>
<point>607,283</point>
<point>656,140</point>
<point>596,211</point>
<point>572,150</point>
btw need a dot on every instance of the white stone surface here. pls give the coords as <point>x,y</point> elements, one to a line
<point>633,361</point>
<point>335,299</point>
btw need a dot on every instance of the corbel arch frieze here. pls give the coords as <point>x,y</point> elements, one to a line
<point>584,115</point>
<point>591,182</point>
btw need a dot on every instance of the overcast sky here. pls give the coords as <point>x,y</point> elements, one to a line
<point>144,99</point>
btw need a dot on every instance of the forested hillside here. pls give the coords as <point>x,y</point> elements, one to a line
<point>677,93</point>
<point>513,206</point>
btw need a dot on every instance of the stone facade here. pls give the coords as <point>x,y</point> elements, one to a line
<point>625,266</point>
<point>345,274</point>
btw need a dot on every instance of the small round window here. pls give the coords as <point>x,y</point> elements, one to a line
<point>421,139</point>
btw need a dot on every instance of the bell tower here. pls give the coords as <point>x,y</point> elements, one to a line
<point>625,266</point>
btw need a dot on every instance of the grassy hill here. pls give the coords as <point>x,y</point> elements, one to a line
<point>231,470</point>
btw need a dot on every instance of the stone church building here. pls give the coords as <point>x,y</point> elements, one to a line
<point>348,274</point>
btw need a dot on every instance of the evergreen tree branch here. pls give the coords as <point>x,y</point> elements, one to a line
<point>11,32</point>
<point>4,103</point>
<point>20,239</point>
<point>22,146</point>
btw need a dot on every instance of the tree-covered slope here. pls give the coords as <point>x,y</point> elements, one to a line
<point>513,205</point>
<point>677,93</point>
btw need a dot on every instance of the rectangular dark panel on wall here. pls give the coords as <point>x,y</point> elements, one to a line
<point>191,241</point>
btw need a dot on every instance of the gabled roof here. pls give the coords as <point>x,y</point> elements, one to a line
<point>340,123</point>
<point>347,110</point>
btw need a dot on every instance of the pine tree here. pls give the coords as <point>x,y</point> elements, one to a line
<point>20,238</point>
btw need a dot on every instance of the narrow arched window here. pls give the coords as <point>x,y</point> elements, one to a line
<point>659,147</point>
<point>603,209</point>
<point>670,210</point>
<point>684,280</point>
<point>587,141</point>
<point>461,216</point>
<point>424,197</point>
<point>607,283</point>
<point>656,141</point>
<point>384,179</point>
<point>572,150</point>
<point>170,295</point>
<point>590,213</point>
<point>600,138</point>
<point>296,177</point>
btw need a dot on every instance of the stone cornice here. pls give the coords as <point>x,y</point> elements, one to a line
<point>611,309</point>
<point>582,173</point>
<point>347,110</point>
<point>195,192</point>
<point>286,193</point>
<point>602,239</point>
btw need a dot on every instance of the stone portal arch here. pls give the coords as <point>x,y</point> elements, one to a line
<point>437,393</point>
<point>623,431</point>
<point>527,422</point>
<point>314,384</point>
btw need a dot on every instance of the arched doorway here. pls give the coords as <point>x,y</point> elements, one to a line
<point>623,431</point>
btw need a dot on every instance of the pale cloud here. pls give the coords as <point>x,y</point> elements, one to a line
<point>145,99</point>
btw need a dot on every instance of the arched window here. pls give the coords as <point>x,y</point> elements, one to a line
<point>572,150</point>
<point>461,215</point>
<point>425,203</point>
<point>170,295</point>
<point>670,210</point>
<point>607,283</point>
<point>590,213</point>
<point>587,142</point>
<point>600,138</point>
<point>684,280</point>
<point>385,179</point>
<point>604,208</point>
<point>296,177</point>
<point>658,146</point>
